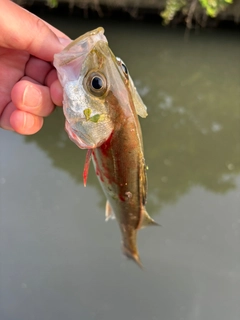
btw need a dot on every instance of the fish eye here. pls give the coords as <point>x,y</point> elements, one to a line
<point>95,83</point>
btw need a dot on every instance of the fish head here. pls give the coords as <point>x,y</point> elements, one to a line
<point>97,89</point>
<point>87,120</point>
<point>120,95</point>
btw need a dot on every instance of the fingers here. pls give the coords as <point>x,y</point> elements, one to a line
<point>25,123</point>
<point>37,69</point>
<point>20,121</point>
<point>31,102</point>
<point>32,98</point>
<point>5,117</point>
<point>44,73</point>
<point>28,32</point>
<point>56,92</point>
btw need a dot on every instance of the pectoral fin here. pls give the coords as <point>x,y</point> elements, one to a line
<point>109,214</point>
<point>86,166</point>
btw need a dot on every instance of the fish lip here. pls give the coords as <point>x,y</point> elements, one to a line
<point>73,135</point>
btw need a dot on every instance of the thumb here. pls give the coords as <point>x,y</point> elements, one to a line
<point>22,30</point>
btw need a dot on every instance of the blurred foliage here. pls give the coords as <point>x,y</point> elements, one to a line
<point>172,7</point>
<point>52,3</point>
<point>211,8</point>
<point>187,7</point>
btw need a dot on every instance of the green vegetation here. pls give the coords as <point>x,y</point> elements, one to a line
<point>52,3</point>
<point>211,8</point>
<point>172,7</point>
<point>189,8</point>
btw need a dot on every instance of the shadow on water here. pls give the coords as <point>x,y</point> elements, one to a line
<point>191,135</point>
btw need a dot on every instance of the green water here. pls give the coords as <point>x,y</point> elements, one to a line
<point>60,260</point>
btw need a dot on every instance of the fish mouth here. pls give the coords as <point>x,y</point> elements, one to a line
<point>96,33</point>
<point>73,135</point>
<point>69,61</point>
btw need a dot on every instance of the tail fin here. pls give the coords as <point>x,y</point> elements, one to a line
<point>133,256</point>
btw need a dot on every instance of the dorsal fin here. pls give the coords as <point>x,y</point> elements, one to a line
<point>142,180</point>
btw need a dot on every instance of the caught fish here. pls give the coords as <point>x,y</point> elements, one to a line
<point>101,106</point>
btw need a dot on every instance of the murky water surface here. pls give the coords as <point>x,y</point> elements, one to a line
<point>58,258</point>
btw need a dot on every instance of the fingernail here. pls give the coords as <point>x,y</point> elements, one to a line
<point>32,97</point>
<point>27,120</point>
<point>64,41</point>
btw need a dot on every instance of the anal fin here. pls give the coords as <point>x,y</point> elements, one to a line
<point>147,221</point>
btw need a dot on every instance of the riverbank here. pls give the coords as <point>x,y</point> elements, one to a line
<point>140,9</point>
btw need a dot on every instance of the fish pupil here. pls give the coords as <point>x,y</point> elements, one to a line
<point>97,83</point>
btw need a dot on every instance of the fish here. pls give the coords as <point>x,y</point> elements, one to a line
<point>101,107</point>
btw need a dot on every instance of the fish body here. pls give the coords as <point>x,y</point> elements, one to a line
<point>101,106</point>
<point>121,170</point>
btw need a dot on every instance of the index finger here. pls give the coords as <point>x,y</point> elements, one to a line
<point>22,30</point>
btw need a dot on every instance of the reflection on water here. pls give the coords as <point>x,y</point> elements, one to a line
<point>191,135</point>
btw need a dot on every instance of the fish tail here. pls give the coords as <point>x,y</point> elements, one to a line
<point>133,255</point>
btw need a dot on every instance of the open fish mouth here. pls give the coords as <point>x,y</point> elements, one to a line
<point>69,61</point>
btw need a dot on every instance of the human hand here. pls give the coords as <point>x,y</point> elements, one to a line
<point>29,87</point>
